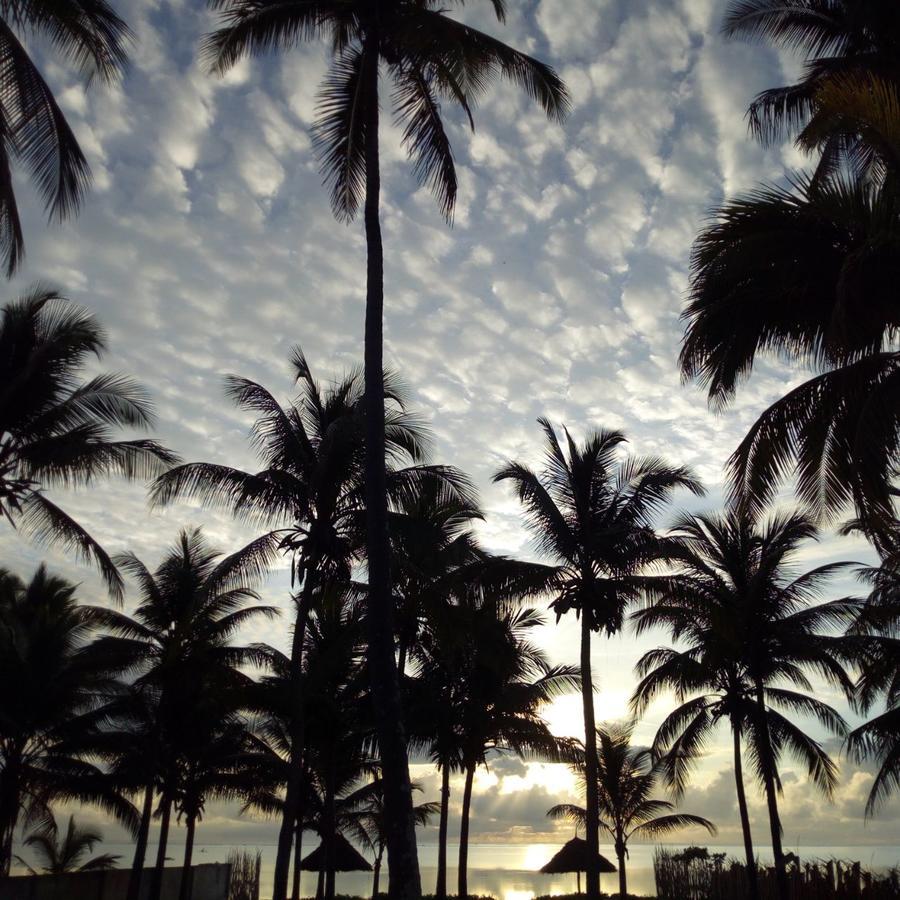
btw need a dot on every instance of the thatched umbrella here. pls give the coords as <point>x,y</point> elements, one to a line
<point>344,858</point>
<point>573,857</point>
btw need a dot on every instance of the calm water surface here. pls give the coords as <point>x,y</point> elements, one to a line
<point>509,871</point>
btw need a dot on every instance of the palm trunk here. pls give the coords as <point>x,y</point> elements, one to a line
<point>591,764</point>
<point>298,856</point>
<point>403,863</point>
<point>187,875</point>
<point>330,829</point>
<point>752,879</point>
<point>440,890</point>
<point>295,771</point>
<point>623,875</point>
<point>140,847</point>
<point>768,767</point>
<point>156,882</point>
<point>377,872</point>
<point>320,885</point>
<point>463,874</point>
<point>9,806</point>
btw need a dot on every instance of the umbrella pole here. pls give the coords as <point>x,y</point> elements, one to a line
<point>578,877</point>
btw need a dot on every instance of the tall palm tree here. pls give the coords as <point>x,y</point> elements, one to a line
<point>592,514</point>
<point>807,272</point>
<point>429,57</point>
<point>177,643</point>
<point>628,778</point>
<point>879,626</point>
<point>711,687</point>
<point>52,685</point>
<point>753,632</point>
<point>36,135</point>
<point>850,79</point>
<point>60,856</point>
<point>310,494</point>
<point>56,430</point>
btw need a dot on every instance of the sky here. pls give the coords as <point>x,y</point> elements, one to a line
<point>207,246</point>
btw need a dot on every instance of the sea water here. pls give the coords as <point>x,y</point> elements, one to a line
<point>507,871</point>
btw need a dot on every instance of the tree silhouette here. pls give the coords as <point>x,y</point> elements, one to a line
<point>56,430</point>
<point>310,493</point>
<point>429,57</point>
<point>753,633</point>
<point>178,645</point>
<point>806,272</point>
<point>52,686</point>
<point>848,93</point>
<point>36,135</point>
<point>60,856</point>
<point>592,514</point>
<point>628,777</point>
<point>879,626</point>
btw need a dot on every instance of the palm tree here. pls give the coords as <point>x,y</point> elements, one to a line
<point>627,780</point>
<point>220,760</point>
<point>56,430</point>
<point>879,626</point>
<point>429,57</point>
<point>753,632</point>
<point>36,133</point>
<point>59,857</point>
<point>177,643</point>
<point>502,683</point>
<point>592,514</point>
<point>849,84</point>
<point>52,683</point>
<point>785,271</point>
<point>310,494</point>
<point>366,821</point>
<point>711,688</point>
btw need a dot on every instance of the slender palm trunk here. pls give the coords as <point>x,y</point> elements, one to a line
<point>752,879</point>
<point>403,863</point>
<point>187,873</point>
<point>330,830</point>
<point>440,890</point>
<point>623,875</point>
<point>320,885</point>
<point>140,847</point>
<point>9,806</point>
<point>298,857</point>
<point>376,877</point>
<point>463,874</point>
<point>591,764</point>
<point>768,767</point>
<point>156,882</point>
<point>292,793</point>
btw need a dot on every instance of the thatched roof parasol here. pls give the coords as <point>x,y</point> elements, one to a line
<point>573,858</point>
<point>344,858</point>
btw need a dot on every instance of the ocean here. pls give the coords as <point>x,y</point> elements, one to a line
<point>510,871</point>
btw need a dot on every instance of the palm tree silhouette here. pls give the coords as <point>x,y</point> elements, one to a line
<point>592,513</point>
<point>62,854</point>
<point>880,676</point>
<point>36,134</point>
<point>52,686</point>
<point>628,778</point>
<point>751,626</point>
<point>310,493</point>
<point>849,84</point>
<point>837,432</point>
<point>364,819</point>
<point>429,57</point>
<point>178,644</point>
<point>56,430</point>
